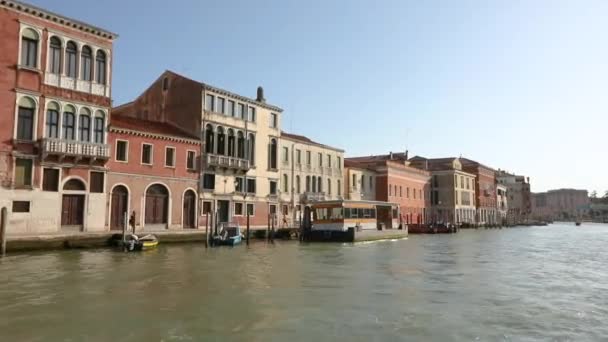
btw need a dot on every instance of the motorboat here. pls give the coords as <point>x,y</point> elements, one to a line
<point>133,243</point>
<point>229,235</point>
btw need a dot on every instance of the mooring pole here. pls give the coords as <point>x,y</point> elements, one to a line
<point>206,229</point>
<point>247,236</point>
<point>3,228</point>
<point>268,228</point>
<point>125,222</point>
<point>272,229</point>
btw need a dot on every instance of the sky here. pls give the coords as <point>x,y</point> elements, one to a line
<point>516,85</point>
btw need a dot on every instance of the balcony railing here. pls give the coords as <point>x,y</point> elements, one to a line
<point>227,162</point>
<point>312,196</point>
<point>64,147</point>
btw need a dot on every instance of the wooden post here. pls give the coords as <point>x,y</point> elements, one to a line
<point>125,221</point>
<point>3,229</point>
<point>274,218</point>
<point>268,228</point>
<point>215,224</point>
<point>247,236</point>
<point>207,230</point>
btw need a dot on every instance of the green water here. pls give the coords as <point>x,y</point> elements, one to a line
<point>524,284</point>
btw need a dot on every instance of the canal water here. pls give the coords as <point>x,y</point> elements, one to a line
<point>520,284</point>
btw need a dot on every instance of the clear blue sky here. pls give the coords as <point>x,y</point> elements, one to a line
<point>518,85</point>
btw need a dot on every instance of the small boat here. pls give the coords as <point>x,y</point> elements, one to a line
<point>134,243</point>
<point>578,223</point>
<point>229,235</point>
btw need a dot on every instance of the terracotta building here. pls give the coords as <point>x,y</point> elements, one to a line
<point>310,171</point>
<point>394,180</point>
<point>239,168</point>
<point>56,96</point>
<point>451,191</point>
<point>153,174</point>
<point>485,191</point>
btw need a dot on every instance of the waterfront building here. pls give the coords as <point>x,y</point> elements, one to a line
<point>392,179</point>
<point>520,198</point>
<point>309,172</point>
<point>485,191</point>
<point>153,174</point>
<point>55,90</point>
<point>502,202</point>
<point>240,138</point>
<point>560,204</point>
<point>451,191</point>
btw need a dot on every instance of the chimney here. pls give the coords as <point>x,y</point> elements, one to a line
<point>260,95</point>
<point>426,164</point>
<point>390,155</point>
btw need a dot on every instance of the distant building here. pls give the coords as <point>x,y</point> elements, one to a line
<point>560,204</point>
<point>502,202</point>
<point>452,190</point>
<point>55,88</point>
<point>519,195</point>
<point>394,180</point>
<point>309,171</point>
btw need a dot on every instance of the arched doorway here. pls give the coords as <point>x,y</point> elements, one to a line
<point>157,207</point>
<point>72,205</point>
<point>189,213</point>
<point>120,206</point>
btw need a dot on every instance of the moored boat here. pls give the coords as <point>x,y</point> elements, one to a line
<point>229,235</point>
<point>134,243</point>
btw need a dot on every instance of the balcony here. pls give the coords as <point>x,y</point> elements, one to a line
<point>62,81</point>
<point>80,149</point>
<point>312,197</point>
<point>233,163</point>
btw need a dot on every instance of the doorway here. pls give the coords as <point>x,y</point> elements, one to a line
<point>120,206</point>
<point>222,210</point>
<point>189,210</point>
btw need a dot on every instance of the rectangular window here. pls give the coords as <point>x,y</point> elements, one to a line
<point>320,158</point>
<point>285,210</point>
<point>340,164</point>
<point>274,121</point>
<point>25,123</point>
<point>468,185</point>
<point>407,192</point>
<point>251,185</point>
<point>220,105</point>
<point>99,130</point>
<point>209,102</point>
<point>230,108</point>
<point>251,116</point>
<point>414,193</point>
<point>50,180</point>
<point>354,185</point>
<point>170,156</point>
<point>84,128</point>
<point>273,187</point>
<point>21,206</point>
<point>250,209</point>
<point>285,154</point>
<point>371,182</point>
<point>389,190</point>
<point>328,160</point>
<point>240,113</point>
<point>206,207</point>
<point>209,181</point>
<point>238,209</point>
<point>23,172</point>
<point>146,154</point>
<point>435,181</point>
<point>420,193</point>
<point>462,182</point>
<point>240,184</point>
<point>68,126</point>
<point>400,191</point>
<point>273,209</point>
<point>456,196</point>
<point>298,157</point>
<point>308,161</point>
<point>52,124</point>
<point>97,182</point>
<point>121,150</point>
<point>190,157</point>
<point>29,52</point>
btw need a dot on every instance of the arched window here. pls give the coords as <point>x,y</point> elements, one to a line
<point>71,53</point>
<point>221,141</point>
<point>251,148</point>
<point>314,184</point>
<point>285,183</point>
<point>84,125</point>
<point>25,118</point>
<point>69,123</point>
<point>240,145</point>
<point>74,185</point>
<point>209,139</point>
<point>273,154</point>
<point>328,186</point>
<point>99,127</point>
<point>231,149</point>
<point>307,183</point>
<point>86,57</point>
<point>52,120</point>
<point>298,184</point>
<point>29,48</point>
<point>320,184</point>
<point>339,188</point>
<point>100,61</point>
<point>55,55</point>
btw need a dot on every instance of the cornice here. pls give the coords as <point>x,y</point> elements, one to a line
<point>154,135</point>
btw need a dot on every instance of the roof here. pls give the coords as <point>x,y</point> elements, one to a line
<point>356,165</point>
<point>140,125</point>
<point>57,18</point>
<point>306,140</point>
<point>434,164</point>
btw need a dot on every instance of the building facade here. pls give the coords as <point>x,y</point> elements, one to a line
<point>56,96</point>
<point>394,180</point>
<point>560,204</point>
<point>240,136</point>
<point>485,191</point>
<point>359,182</point>
<point>451,191</point>
<point>502,202</point>
<point>519,196</point>
<point>309,171</point>
<point>153,175</point>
